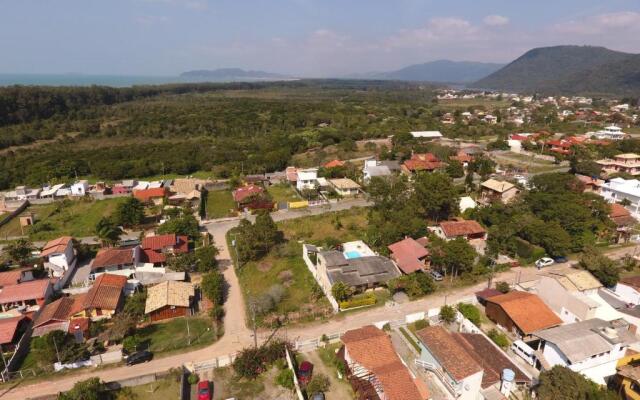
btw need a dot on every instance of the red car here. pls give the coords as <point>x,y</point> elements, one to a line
<point>304,372</point>
<point>204,390</point>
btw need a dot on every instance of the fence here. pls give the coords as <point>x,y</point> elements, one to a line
<point>296,384</point>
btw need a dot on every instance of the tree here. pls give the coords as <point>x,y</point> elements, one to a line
<point>89,389</point>
<point>455,256</point>
<point>341,291</point>
<point>447,314</point>
<point>561,383</point>
<point>182,262</point>
<point>436,196</point>
<point>19,250</point>
<point>503,287</point>
<point>266,232</point>
<point>58,346</point>
<point>483,166</point>
<point>129,213</point>
<point>213,287</point>
<point>498,338</point>
<point>122,325</point>
<point>602,267</point>
<point>206,260</point>
<point>285,378</point>
<point>135,304</point>
<point>455,169</point>
<point>184,225</point>
<point>108,232</point>
<point>470,312</point>
<point>320,383</point>
<point>202,207</point>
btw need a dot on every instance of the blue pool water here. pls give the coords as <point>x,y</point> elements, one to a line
<point>352,254</point>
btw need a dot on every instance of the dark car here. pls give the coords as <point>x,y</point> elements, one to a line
<point>561,259</point>
<point>304,372</point>
<point>139,357</point>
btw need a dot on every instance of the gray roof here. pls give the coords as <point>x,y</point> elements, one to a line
<point>333,258</point>
<point>581,340</point>
<point>393,165</point>
<point>363,271</point>
<point>379,170</point>
<point>621,306</point>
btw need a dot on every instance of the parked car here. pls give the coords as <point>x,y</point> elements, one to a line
<point>560,260</point>
<point>204,390</point>
<point>437,276</point>
<point>544,262</point>
<point>305,370</point>
<point>318,396</point>
<point>139,357</point>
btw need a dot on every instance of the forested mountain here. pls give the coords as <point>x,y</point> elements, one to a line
<point>438,71</point>
<point>231,74</point>
<point>568,69</point>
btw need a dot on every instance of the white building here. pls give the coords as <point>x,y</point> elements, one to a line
<point>59,256</point>
<point>80,188</point>
<point>591,347</point>
<point>618,189</point>
<point>628,290</point>
<point>611,132</point>
<point>307,178</point>
<point>427,135</point>
<point>567,293</point>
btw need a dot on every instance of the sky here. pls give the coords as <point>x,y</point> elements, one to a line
<point>306,38</point>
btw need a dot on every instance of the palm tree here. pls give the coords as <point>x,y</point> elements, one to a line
<point>108,232</point>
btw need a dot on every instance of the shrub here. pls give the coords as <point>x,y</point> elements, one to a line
<point>420,324</point>
<point>368,299</point>
<point>503,287</point>
<point>193,379</point>
<point>470,312</point>
<point>386,327</point>
<point>447,314</point>
<point>285,379</point>
<point>130,344</point>
<point>319,383</point>
<point>251,362</point>
<point>498,338</point>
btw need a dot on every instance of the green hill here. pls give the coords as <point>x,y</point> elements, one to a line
<point>568,69</point>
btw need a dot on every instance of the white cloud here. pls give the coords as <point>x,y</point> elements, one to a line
<point>442,29</point>
<point>495,20</point>
<point>602,23</point>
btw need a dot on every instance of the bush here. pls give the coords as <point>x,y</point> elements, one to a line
<point>498,338</point>
<point>319,383</point>
<point>285,379</point>
<point>251,362</point>
<point>420,324</point>
<point>503,287</point>
<point>130,344</point>
<point>447,314</point>
<point>367,299</point>
<point>193,379</point>
<point>470,312</point>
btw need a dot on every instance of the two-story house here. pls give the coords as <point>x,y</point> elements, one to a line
<point>567,293</point>
<point>628,163</point>
<point>619,189</point>
<point>59,256</point>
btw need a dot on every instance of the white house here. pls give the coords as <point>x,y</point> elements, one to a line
<point>567,293</point>
<point>59,256</point>
<point>307,178</point>
<point>628,290</point>
<point>611,132</point>
<point>80,188</point>
<point>345,187</point>
<point>591,347</point>
<point>434,135</point>
<point>618,189</point>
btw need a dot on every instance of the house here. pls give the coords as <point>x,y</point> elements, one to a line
<point>307,179</point>
<point>521,313</point>
<point>80,188</point>
<point>59,256</point>
<point>151,196</point>
<point>57,316</point>
<point>375,370</point>
<point>373,168</point>
<point>560,146</point>
<point>485,294</point>
<point>467,203</point>
<point>619,189</point>
<point>116,260</point>
<point>187,185</point>
<point>611,132</point>
<point>126,187</point>
<point>155,248</point>
<point>169,299</point>
<point>421,162</point>
<point>54,192</point>
<point>245,194</point>
<point>22,193</point>
<point>591,184</point>
<point>15,276</point>
<point>105,297</point>
<point>28,295</point>
<point>567,292</point>
<point>628,289</point>
<point>334,164</point>
<point>357,266</point>
<point>462,157</point>
<point>410,255</point>
<point>591,348</point>
<point>345,187</point>
<point>11,330</point>
<point>466,229</point>
<point>628,163</point>
<point>495,190</point>
<point>428,135</point>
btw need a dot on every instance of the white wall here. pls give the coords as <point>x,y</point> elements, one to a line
<point>595,368</point>
<point>627,293</point>
<point>471,387</point>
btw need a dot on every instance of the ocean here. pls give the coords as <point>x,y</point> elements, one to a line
<point>86,80</point>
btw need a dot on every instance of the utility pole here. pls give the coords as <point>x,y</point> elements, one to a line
<point>252,307</point>
<point>188,332</point>
<point>55,345</point>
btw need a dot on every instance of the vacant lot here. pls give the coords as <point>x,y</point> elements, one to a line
<point>76,218</point>
<point>174,334</point>
<point>283,193</point>
<point>168,388</point>
<point>220,204</point>
<point>342,226</point>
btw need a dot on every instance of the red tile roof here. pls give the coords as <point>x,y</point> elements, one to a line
<point>11,277</point>
<point>113,256</point>
<point>334,163</point>
<point>487,293</point>
<point>179,244</point>
<point>243,193</point>
<point>8,328</point>
<point>461,228</point>
<point>618,210</point>
<point>421,165</point>
<point>144,195</point>
<point>105,293</point>
<point>527,311</point>
<point>153,257</point>
<point>372,348</point>
<point>32,290</point>
<point>451,355</point>
<point>407,254</point>
<point>58,245</point>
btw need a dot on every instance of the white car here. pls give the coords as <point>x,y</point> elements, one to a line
<point>544,262</point>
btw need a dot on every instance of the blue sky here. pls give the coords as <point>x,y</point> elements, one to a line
<point>304,37</point>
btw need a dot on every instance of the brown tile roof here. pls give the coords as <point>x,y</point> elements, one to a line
<point>372,348</point>
<point>105,293</point>
<point>58,310</point>
<point>169,293</point>
<point>11,277</point>
<point>8,328</point>
<point>244,192</point>
<point>451,355</point>
<point>145,195</point>
<point>113,256</point>
<point>407,254</point>
<point>487,293</point>
<point>461,228</point>
<point>526,310</point>
<point>58,245</point>
<point>179,244</point>
<point>32,290</point>
<point>620,215</point>
<point>334,163</point>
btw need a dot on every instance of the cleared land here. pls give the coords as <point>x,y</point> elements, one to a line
<point>341,226</point>
<point>283,193</point>
<point>219,204</point>
<point>174,334</point>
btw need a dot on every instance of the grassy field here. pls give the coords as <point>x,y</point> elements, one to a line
<point>168,388</point>
<point>283,192</point>
<point>219,203</point>
<point>76,218</point>
<point>344,226</point>
<point>172,334</point>
<point>525,162</point>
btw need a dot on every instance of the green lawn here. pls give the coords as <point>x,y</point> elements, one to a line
<point>172,334</point>
<point>283,193</point>
<point>343,226</point>
<point>220,203</point>
<point>76,218</point>
<point>168,388</point>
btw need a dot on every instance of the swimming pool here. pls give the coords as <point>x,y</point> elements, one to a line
<point>351,254</point>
